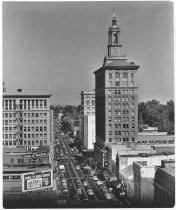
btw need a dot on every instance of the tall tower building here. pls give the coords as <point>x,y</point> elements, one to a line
<point>87,120</point>
<point>116,96</point>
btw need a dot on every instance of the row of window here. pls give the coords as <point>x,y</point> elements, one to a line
<point>35,128</point>
<point>123,84</point>
<point>32,142</point>
<point>119,126</point>
<point>123,98</point>
<point>25,104</point>
<point>124,75</point>
<point>119,105</point>
<point>121,92</point>
<point>90,113</point>
<point>10,115</point>
<point>119,119</point>
<point>125,139</point>
<point>92,102</point>
<point>10,122</point>
<point>124,112</point>
<point>119,133</point>
<point>33,135</point>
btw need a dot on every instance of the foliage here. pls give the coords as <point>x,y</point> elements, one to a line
<point>157,115</point>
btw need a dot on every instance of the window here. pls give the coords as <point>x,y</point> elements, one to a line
<point>29,135</point>
<point>110,99</point>
<point>41,128</point>
<point>110,75</point>
<point>37,121</point>
<point>29,115</point>
<point>32,142</point>
<point>119,99</point>
<point>110,119</point>
<point>29,121</point>
<point>132,112</point>
<point>45,128</point>
<point>125,84</point>
<point>132,83</point>
<point>45,135</point>
<point>41,121</point>
<point>29,129</point>
<point>24,121</point>
<point>132,133</point>
<point>125,75</point>
<point>110,112</point>
<point>45,121</point>
<point>37,129</point>
<point>45,104</point>
<point>132,76</point>
<point>115,92</point>
<point>33,135</point>
<point>126,98</point>
<point>109,92</point>
<point>110,133</point>
<point>36,114</point>
<point>45,114</point>
<point>118,126</point>
<point>110,126</point>
<point>32,121</point>
<point>110,139</point>
<point>115,119</point>
<point>117,83</point>
<point>29,143</point>
<point>117,75</point>
<point>132,126</point>
<point>132,119</point>
<point>24,114</point>
<point>110,106</point>
<point>41,114</point>
<point>119,112</point>
<point>119,119</point>
<point>132,106</point>
<point>110,83</point>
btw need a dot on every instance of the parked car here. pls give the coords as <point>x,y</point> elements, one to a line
<point>95,178</point>
<point>99,182</point>
<point>90,192</point>
<point>85,184</point>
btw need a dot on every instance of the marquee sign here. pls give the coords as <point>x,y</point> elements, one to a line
<point>37,180</point>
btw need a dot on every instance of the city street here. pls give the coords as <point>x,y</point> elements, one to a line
<point>74,186</point>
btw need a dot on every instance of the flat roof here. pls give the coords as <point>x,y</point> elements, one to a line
<point>170,170</point>
<point>26,94</point>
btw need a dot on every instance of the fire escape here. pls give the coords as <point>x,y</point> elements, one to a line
<point>19,124</point>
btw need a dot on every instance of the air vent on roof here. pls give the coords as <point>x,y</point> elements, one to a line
<point>132,62</point>
<point>19,90</point>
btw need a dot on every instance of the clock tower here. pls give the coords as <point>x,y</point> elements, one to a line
<point>114,48</point>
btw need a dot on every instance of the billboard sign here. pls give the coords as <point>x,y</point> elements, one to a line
<point>37,180</point>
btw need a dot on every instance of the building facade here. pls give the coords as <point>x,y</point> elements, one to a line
<point>164,184</point>
<point>116,93</point>
<point>27,119</point>
<point>87,120</point>
<point>143,183</point>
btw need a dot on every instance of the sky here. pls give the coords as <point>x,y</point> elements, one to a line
<point>57,46</point>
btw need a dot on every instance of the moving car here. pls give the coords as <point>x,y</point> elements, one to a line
<point>77,167</point>
<point>108,196</point>
<point>85,184</point>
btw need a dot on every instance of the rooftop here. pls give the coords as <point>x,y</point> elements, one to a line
<point>170,170</point>
<point>119,64</point>
<point>26,94</point>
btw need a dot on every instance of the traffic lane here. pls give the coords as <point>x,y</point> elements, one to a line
<point>99,195</point>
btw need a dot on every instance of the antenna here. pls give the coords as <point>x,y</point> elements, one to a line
<point>48,80</point>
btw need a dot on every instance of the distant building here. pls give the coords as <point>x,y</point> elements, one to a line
<point>164,184</point>
<point>76,126</point>
<point>27,119</point>
<point>116,93</point>
<point>87,120</point>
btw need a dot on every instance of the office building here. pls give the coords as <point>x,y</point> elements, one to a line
<point>27,119</point>
<point>87,120</point>
<point>164,184</point>
<point>116,93</point>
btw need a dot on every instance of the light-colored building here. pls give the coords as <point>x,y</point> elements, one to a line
<point>87,120</point>
<point>143,183</point>
<point>164,184</point>
<point>27,119</point>
<point>116,93</point>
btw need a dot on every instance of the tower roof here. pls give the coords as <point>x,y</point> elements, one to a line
<point>118,64</point>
